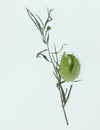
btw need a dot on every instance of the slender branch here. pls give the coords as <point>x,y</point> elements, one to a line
<point>68,94</point>
<point>51,57</point>
<point>56,54</point>
<point>60,91</point>
<point>65,115</point>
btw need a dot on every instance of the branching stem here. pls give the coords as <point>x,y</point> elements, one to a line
<point>44,30</point>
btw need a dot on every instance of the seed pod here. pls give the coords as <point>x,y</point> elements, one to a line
<point>69,68</point>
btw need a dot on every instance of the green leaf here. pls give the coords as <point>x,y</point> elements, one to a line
<point>69,68</point>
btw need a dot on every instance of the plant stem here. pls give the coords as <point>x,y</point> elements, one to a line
<point>65,115</point>
<point>59,78</point>
<point>51,57</point>
<point>59,86</point>
<point>44,30</point>
<point>63,107</point>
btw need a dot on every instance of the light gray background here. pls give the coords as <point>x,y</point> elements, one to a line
<point>29,99</point>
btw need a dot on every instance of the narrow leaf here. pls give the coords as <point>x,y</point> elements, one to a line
<point>40,20</point>
<point>33,18</point>
<point>39,53</point>
<point>48,38</point>
<point>45,57</point>
<point>77,80</point>
<point>68,94</point>
<point>63,95</point>
<point>30,15</point>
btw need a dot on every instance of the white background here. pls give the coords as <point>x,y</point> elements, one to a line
<point>29,99</point>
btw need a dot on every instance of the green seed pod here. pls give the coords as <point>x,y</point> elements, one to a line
<point>69,68</point>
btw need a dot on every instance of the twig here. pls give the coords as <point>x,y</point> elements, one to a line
<point>44,30</point>
<point>63,107</point>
